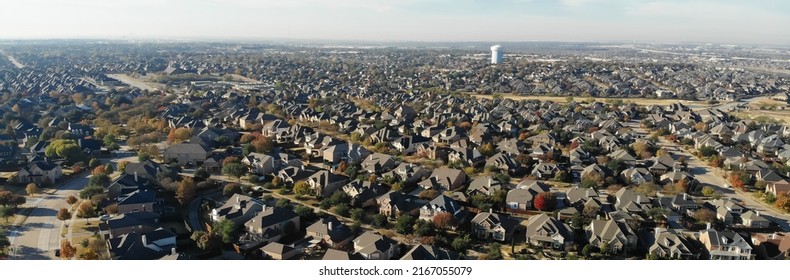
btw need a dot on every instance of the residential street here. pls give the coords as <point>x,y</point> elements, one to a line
<point>38,236</point>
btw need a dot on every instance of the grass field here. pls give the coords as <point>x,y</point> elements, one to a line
<point>562,99</point>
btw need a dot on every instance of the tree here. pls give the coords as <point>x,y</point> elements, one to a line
<point>86,210</point>
<point>590,211</point>
<point>231,189</point>
<point>89,254</point>
<point>494,252</point>
<point>206,241</point>
<point>6,212</point>
<point>304,212</point>
<point>783,202</point>
<point>487,149</point>
<point>704,215</point>
<point>708,191</point>
<point>108,168</point>
<point>707,151</point>
<point>99,180</point>
<point>186,191</point>
<point>66,250</point>
<point>90,191</point>
<point>357,214</point>
<point>71,200</point>
<point>428,194</point>
<point>122,165</point>
<point>234,170</point>
<point>226,230</point>
<point>577,221</point>
<point>563,176</point>
<point>10,199</point>
<point>342,209</point>
<point>444,220</point>
<point>4,242</point>
<point>404,224</point>
<point>587,251</point>
<point>263,144</point>
<point>545,201</point>
<point>180,134</point>
<point>64,148</point>
<point>31,189</point>
<point>462,243</point>
<point>302,188</point>
<point>379,221</point>
<point>201,174</point>
<point>736,179</point>
<point>647,189</point>
<point>423,228</point>
<point>63,214</point>
<point>93,163</point>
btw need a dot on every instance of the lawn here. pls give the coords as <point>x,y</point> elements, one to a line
<point>82,231</point>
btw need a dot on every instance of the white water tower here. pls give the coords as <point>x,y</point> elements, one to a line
<point>496,54</point>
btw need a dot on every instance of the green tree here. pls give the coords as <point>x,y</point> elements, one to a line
<point>304,212</point>
<point>206,241</point>
<point>6,212</point>
<point>234,169</point>
<point>494,252</point>
<point>357,214</point>
<point>93,163</point>
<point>342,209</point>
<point>708,191</point>
<point>90,191</point>
<point>462,243</point>
<point>226,230</point>
<point>201,174</point>
<point>423,228</point>
<point>379,221</point>
<point>707,151</point>
<point>231,189</point>
<point>404,224</point>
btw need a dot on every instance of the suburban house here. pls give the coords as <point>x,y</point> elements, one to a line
<point>363,193</point>
<point>444,178</point>
<point>142,246</point>
<point>325,183</point>
<point>142,199</point>
<point>331,232</point>
<point>373,246</point>
<point>140,222</point>
<point>485,185</point>
<point>41,172</point>
<point>239,209</point>
<point>260,164</point>
<point>273,223</point>
<point>753,219</point>
<point>613,236</point>
<point>394,204</point>
<point>377,163</point>
<point>278,251</point>
<point>442,204</point>
<point>669,244</point>
<point>546,231</point>
<point>430,252</point>
<point>187,153</point>
<point>725,245</point>
<point>778,187</point>
<point>771,246</point>
<point>493,226</point>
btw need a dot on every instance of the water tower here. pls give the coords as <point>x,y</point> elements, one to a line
<point>496,54</point>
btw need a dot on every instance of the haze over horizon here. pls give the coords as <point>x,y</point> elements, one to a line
<point>665,21</point>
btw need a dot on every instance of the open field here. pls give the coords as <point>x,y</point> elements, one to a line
<point>563,99</point>
<point>129,80</point>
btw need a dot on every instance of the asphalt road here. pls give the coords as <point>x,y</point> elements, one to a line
<point>39,235</point>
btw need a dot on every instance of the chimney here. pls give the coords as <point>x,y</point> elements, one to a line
<point>491,210</point>
<point>757,213</point>
<point>598,217</point>
<point>238,199</point>
<point>708,226</point>
<point>135,176</point>
<point>639,199</point>
<point>489,181</point>
<point>173,251</point>
<point>559,216</point>
<point>329,226</point>
<point>145,240</point>
<point>685,196</point>
<point>143,207</point>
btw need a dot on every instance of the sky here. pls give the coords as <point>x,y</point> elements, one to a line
<point>661,21</point>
